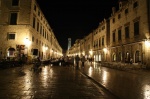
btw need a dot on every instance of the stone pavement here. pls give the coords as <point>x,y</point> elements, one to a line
<point>126,84</point>
<point>53,82</point>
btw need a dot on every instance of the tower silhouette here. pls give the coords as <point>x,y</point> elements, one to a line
<point>69,43</point>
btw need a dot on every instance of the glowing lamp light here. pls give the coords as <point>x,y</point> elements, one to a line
<point>91,52</point>
<point>105,50</point>
<point>147,43</point>
<point>27,42</point>
<point>46,48</point>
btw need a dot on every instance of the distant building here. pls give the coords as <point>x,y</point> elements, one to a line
<point>69,43</point>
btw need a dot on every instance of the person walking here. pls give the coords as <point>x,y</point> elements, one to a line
<point>66,61</point>
<point>83,60</point>
<point>77,59</point>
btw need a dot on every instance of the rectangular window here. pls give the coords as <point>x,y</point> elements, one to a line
<point>119,34</point>
<point>32,38</point>
<point>15,2</point>
<point>33,22</point>
<point>126,11</point>
<point>103,41</point>
<point>0,3</point>
<point>41,30</point>
<point>127,32</point>
<point>99,42</point>
<point>136,28</point>
<point>13,19</point>
<point>113,37</point>
<point>37,41</point>
<point>39,13</point>
<point>38,26</point>
<point>113,20</point>
<point>119,16</point>
<point>11,36</point>
<point>135,4</point>
<point>35,8</point>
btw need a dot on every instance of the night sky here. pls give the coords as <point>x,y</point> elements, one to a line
<point>75,19</point>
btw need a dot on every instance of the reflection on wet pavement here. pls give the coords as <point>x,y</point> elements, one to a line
<point>53,82</point>
<point>130,84</point>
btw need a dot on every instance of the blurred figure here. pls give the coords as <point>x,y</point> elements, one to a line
<point>66,61</point>
<point>77,59</point>
<point>83,60</point>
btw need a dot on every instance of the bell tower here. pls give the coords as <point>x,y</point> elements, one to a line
<point>69,43</point>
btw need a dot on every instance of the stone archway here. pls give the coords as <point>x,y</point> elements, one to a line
<point>11,52</point>
<point>127,57</point>
<point>114,57</point>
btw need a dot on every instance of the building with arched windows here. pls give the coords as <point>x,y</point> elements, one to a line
<point>123,36</point>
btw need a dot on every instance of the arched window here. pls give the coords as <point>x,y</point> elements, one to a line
<point>127,57</point>
<point>11,52</point>
<point>114,57</point>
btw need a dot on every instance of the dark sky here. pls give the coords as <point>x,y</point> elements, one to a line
<point>75,18</point>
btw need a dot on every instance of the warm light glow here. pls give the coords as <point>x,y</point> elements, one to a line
<point>83,53</point>
<point>105,76</point>
<point>91,52</point>
<point>43,49</point>
<point>147,43</point>
<point>146,92</point>
<point>46,48</point>
<point>90,70</point>
<point>105,50</point>
<point>27,42</point>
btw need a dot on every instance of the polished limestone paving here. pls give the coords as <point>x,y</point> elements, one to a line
<point>53,82</point>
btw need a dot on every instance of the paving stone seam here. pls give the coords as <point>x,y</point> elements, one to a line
<point>99,85</point>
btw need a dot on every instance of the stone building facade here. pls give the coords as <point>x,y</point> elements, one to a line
<point>25,31</point>
<point>124,35</point>
<point>129,28</point>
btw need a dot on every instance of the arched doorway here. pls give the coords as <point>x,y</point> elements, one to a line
<point>11,52</point>
<point>114,57</point>
<point>127,59</point>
